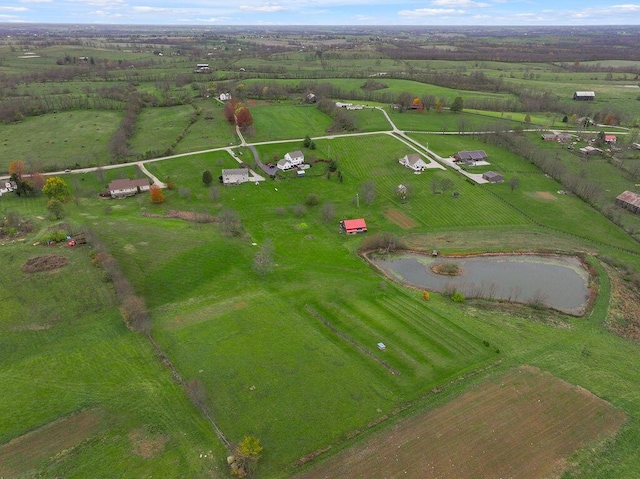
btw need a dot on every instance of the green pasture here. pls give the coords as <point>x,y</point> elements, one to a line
<point>211,130</point>
<point>287,120</point>
<point>393,86</point>
<point>59,140</point>
<point>448,121</point>
<point>64,349</point>
<point>158,129</point>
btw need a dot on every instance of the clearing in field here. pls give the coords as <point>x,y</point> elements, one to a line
<point>24,453</point>
<point>545,195</point>
<point>399,218</point>
<point>521,424</point>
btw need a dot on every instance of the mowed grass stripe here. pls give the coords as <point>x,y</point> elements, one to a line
<point>456,340</point>
<point>471,208</point>
<point>425,347</point>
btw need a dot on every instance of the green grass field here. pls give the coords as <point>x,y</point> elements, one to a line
<point>73,138</point>
<point>64,349</point>
<point>290,356</point>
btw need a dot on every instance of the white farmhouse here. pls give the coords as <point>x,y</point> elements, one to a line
<point>291,160</point>
<point>413,161</point>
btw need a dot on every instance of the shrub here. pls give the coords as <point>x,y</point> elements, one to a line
<point>312,199</point>
<point>457,297</point>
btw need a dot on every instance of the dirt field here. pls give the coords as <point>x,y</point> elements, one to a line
<point>545,195</point>
<point>26,452</point>
<point>44,263</point>
<point>399,218</point>
<point>522,424</point>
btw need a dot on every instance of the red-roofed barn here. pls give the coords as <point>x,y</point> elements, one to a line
<point>352,227</point>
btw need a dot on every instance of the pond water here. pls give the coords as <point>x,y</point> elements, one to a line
<point>558,282</point>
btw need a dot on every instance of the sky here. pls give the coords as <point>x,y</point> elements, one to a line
<point>324,12</point>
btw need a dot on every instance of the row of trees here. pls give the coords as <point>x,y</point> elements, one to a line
<point>238,114</point>
<point>342,121</point>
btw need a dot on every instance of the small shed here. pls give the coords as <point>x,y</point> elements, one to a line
<point>352,227</point>
<point>630,201</point>
<point>584,96</point>
<point>493,177</point>
<point>382,346</point>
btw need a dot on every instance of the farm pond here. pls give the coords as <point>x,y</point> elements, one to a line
<point>558,282</point>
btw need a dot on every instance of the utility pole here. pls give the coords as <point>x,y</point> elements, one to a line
<point>357,201</point>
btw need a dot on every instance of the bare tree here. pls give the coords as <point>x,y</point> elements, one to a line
<point>263,261</point>
<point>514,182</point>
<point>328,211</point>
<point>230,223</point>
<point>446,184</point>
<point>368,192</point>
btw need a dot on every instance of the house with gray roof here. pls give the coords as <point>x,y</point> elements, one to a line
<point>235,176</point>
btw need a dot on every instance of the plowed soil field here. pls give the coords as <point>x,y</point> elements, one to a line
<point>399,218</point>
<point>521,424</point>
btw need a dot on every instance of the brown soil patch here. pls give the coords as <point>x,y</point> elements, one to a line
<point>624,309</point>
<point>52,440</point>
<point>146,445</point>
<point>545,195</point>
<point>520,424</point>
<point>44,263</point>
<point>185,215</point>
<point>399,218</point>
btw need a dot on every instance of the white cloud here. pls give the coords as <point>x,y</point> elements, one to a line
<point>145,9</point>
<point>105,14</point>
<point>604,12</point>
<point>14,9</point>
<point>459,3</point>
<point>99,3</point>
<point>265,8</point>
<point>36,1</point>
<point>365,19</point>
<point>212,20</point>
<point>430,12</point>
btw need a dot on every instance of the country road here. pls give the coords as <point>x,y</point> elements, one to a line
<point>436,160</point>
